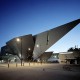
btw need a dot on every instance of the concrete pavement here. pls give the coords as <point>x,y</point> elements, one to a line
<point>37,71</point>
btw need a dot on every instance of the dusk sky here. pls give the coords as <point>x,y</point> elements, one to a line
<point>22,17</point>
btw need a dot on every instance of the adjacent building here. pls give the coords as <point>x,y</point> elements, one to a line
<point>72,56</point>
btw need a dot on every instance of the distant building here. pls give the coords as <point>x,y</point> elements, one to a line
<point>70,57</point>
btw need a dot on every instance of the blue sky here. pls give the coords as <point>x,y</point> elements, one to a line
<point>21,17</point>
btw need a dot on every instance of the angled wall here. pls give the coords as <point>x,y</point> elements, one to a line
<point>25,46</point>
<point>32,47</point>
<point>45,56</point>
<point>46,39</point>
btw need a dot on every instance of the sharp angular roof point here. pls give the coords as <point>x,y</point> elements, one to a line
<point>48,38</point>
<point>32,47</point>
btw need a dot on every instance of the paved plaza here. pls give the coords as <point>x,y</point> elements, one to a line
<point>38,71</point>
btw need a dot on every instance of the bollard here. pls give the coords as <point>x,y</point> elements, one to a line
<point>23,63</point>
<point>16,61</point>
<point>41,62</point>
<point>43,69</point>
<point>29,63</point>
<point>16,64</point>
<point>8,64</point>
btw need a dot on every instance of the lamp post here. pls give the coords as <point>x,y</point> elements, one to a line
<point>20,40</point>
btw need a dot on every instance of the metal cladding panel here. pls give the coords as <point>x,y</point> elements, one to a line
<point>25,43</point>
<point>45,56</point>
<point>46,39</point>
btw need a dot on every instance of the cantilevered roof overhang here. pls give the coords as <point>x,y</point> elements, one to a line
<point>46,39</point>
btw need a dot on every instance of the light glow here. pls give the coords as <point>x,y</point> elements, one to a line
<point>29,49</point>
<point>18,40</point>
<point>37,45</point>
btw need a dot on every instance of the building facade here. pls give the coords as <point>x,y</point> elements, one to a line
<point>31,47</point>
<point>70,57</point>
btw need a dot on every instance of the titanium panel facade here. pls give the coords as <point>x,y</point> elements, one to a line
<point>45,56</point>
<point>32,47</point>
<point>46,39</point>
<point>22,47</point>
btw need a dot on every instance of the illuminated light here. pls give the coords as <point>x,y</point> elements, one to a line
<point>6,53</point>
<point>14,58</point>
<point>38,60</point>
<point>18,40</point>
<point>19,55</point>
<point>29,49</point>
<point>2,60</point>
<point>37,45</point>
<point>55,56</point>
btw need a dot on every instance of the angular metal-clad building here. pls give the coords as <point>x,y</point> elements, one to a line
<point>46,39</point>
<point>31,47</point>
<point>22,48</point>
